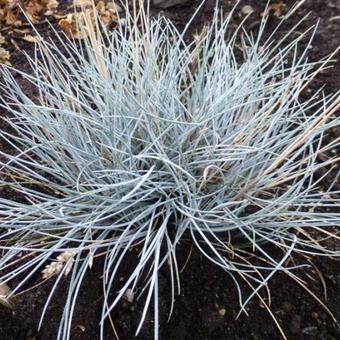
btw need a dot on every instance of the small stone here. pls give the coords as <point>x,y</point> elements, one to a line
<point>81,327</point>
<point>247,9</point>
<point>130,295</point>
<point>312,330</point>
<point>222,311</point>
<point>315,315</point>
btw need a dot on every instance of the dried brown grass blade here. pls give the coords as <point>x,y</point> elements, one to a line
<point>5,296</point>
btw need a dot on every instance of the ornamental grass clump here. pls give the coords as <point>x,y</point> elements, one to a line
<point>137,138</point>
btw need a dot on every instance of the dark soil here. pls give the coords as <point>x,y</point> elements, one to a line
<point>208,304</point>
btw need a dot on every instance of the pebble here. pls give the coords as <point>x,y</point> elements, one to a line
<point>222,311</point>
<point>247,9</point>
<point>312,330</point>
<point>315,315</point>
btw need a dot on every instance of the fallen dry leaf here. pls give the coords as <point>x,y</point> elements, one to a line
<point>275,9</point>
<point>51,7</point>
<point>12,19</point>
<point>69,25</point>
<point>59,16</point>
<point>11,3</point>
<point>4,56</point>
<point>5,291</point>
<point>2,39</point>
<point>21,30</point>
<point>82,3</point>
<point>52,4</point>
<point>33,9</point>
<point>106,12</point>
<point>10,10</point>
<point>32,38</point>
